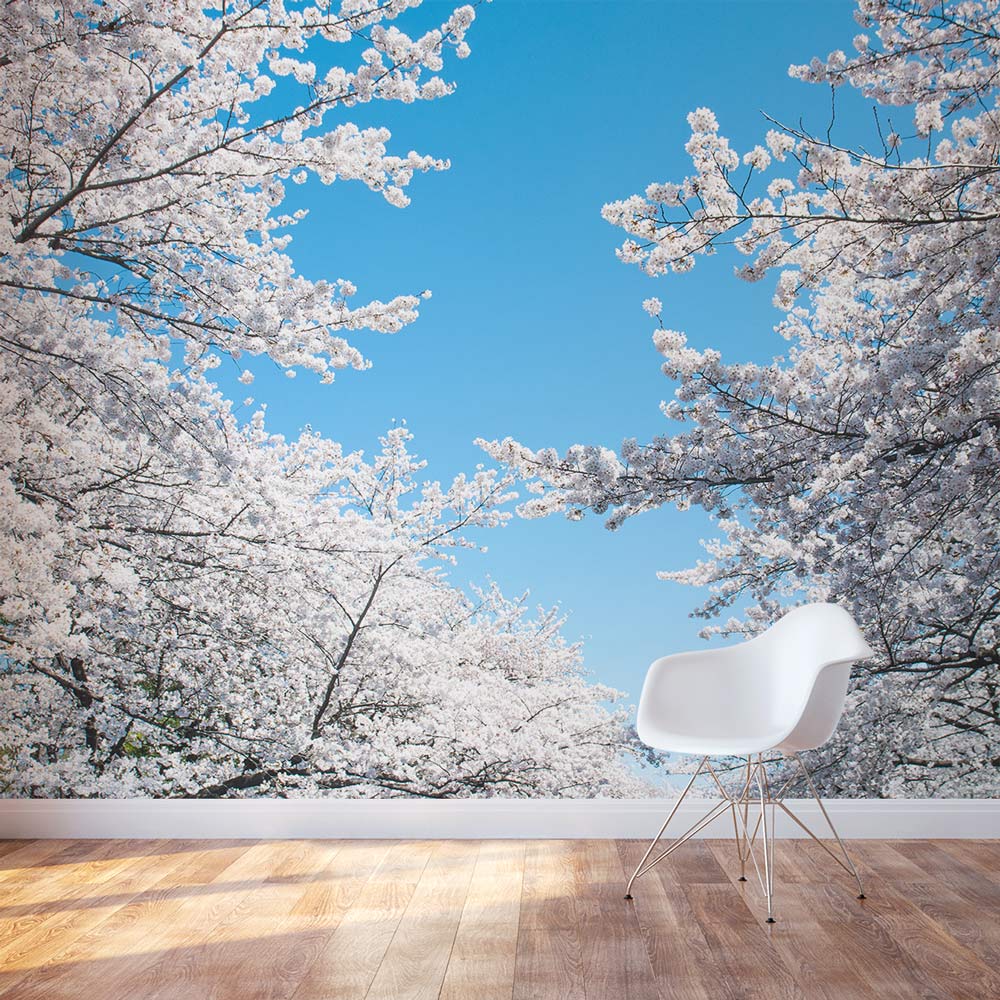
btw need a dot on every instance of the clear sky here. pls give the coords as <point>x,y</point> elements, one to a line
<point>535,330</point>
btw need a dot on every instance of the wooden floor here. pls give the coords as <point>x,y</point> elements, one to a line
<point>335,920</point>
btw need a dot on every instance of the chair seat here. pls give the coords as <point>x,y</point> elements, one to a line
<point>715,746</point>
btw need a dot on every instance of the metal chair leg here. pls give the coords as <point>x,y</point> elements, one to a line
<point>764,793</point>
<point>656,839</point>
<point>739,806</point>
<point>742,850</point>
<point>829,822</point>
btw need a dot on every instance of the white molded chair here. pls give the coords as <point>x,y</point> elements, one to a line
<point>782,691</point>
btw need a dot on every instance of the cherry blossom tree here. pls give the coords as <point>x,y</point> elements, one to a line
<point>240,614</point>
<point>861,465</point>
<point>189,604</point>
<point>147,150</point>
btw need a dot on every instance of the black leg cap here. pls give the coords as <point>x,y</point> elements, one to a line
<point>771,920</point>
<point>742,878</point>
<point>861,895</point>
<point>628,895</point>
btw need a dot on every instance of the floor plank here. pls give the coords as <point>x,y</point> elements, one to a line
<point>484,955</point>
<point>978,855</point>
<point>67,908</point>
<point>975,884</point>
<point>741,949</point>
<point>26,901</point>
<point>496,920</point>
<point>861,942</point>
<point>678,952</point>
<point>37,860</point>
<point>12,852</point>
<point>415,963</point>
<point>615,960</point>
<point>349,960</point>
<point>549,952</point>
<point>252,942</point>
<point>923,952</point>
<point>802,943</point>
<point>113,949</point>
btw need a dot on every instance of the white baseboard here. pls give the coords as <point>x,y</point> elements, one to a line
<point>467,818</point>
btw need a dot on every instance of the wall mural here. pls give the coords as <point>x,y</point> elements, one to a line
<point>193,604</point>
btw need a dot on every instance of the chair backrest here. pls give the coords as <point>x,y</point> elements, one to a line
<point>807,656</point>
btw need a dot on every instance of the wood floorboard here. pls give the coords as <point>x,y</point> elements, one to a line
<point>549,952</point>
<point>38,860</point>
<point>982,856</point>
<point>484,954</point>
<point>493,920</point>
<point>349,960</point>
<point>802,943</point>
<point>12,847</point>
<point>862,942</point>
<point>974,884</point>
<point>415,963</point>
<point>742,952</point>
<point>63,908</point>
<point>970,926</point>
<point>937,963</point>
<point>613,950</point>
<point>21,907</point>
<point>678,953</point>
<point>92,963</point>
<point>250,942</point>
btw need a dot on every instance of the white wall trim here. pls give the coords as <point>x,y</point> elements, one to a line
<point>465,818</point>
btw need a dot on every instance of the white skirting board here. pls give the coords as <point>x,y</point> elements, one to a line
<point>469,818</point>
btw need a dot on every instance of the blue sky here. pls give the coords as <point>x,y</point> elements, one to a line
<point>535,330</point>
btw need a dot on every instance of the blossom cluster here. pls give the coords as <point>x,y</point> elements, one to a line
<point>861,465</point>
<point>191,605</point>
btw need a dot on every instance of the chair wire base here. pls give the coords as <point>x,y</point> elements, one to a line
<point>754,794</point>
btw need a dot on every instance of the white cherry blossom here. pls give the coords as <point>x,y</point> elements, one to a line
<point>862,464</point>
<point>191,605</point>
